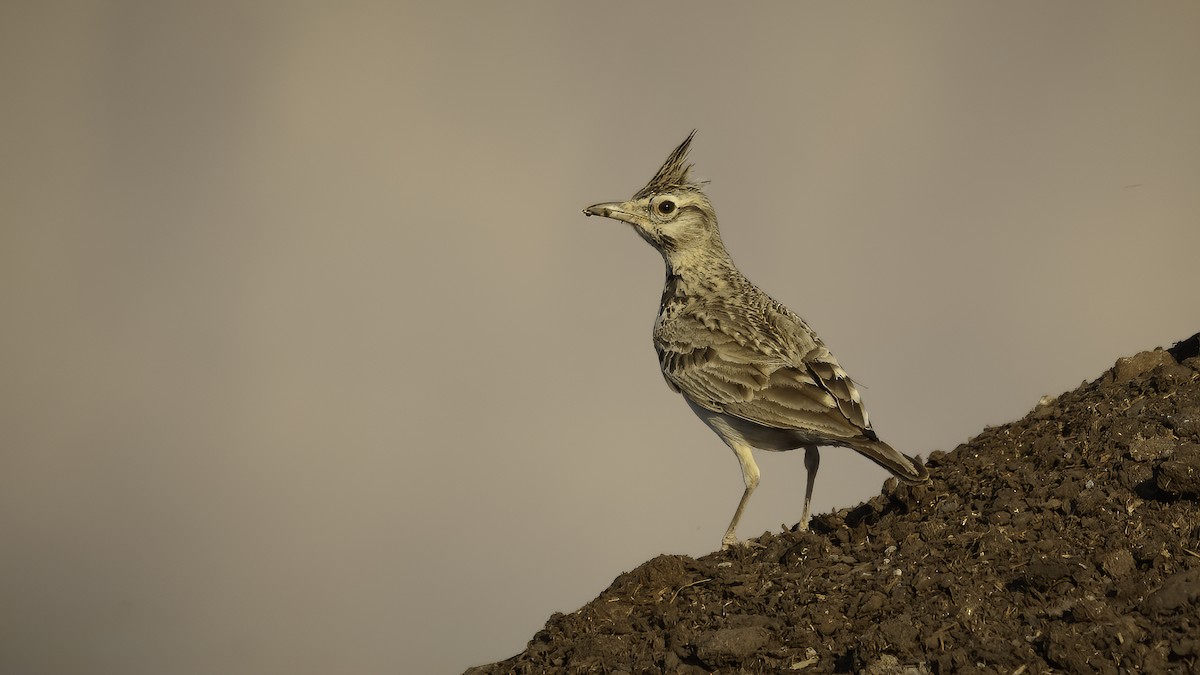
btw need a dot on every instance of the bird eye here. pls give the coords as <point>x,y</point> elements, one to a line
<point>666,206</point>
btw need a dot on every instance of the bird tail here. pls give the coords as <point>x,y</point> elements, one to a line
<point>906,468</point>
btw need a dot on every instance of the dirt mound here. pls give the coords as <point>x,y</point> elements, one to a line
<point>1067,540</point>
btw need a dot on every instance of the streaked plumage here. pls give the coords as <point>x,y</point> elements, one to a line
<point>748,366</point>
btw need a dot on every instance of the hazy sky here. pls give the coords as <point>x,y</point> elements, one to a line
<point>310,362</point>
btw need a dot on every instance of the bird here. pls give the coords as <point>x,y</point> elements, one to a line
<point>751,369</point>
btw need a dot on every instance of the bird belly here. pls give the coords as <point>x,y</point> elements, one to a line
<point>756,435</point>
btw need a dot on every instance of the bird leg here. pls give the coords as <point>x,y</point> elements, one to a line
<point>750,478</point>
<point>812,460</point>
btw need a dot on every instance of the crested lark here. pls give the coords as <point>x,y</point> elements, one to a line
<point>749,367</point>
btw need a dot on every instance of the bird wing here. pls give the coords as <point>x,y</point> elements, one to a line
<point>794,383</point>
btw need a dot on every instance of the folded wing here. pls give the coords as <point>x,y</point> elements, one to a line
<point>724,371</point>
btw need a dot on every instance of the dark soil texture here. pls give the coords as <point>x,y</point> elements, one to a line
<point>1066,541</point>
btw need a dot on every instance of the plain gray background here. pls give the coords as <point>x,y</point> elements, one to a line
<point>310,362</point>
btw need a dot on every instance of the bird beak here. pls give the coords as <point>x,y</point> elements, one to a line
<point>615,210</point>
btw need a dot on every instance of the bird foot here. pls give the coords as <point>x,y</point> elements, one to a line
<point>729,544</point>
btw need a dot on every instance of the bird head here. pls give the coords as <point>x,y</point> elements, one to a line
<point>670,212</point>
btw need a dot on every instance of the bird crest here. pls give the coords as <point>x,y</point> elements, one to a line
<point>673,175</point>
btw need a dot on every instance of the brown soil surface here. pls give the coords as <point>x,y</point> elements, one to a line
<point>1067,541</point>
